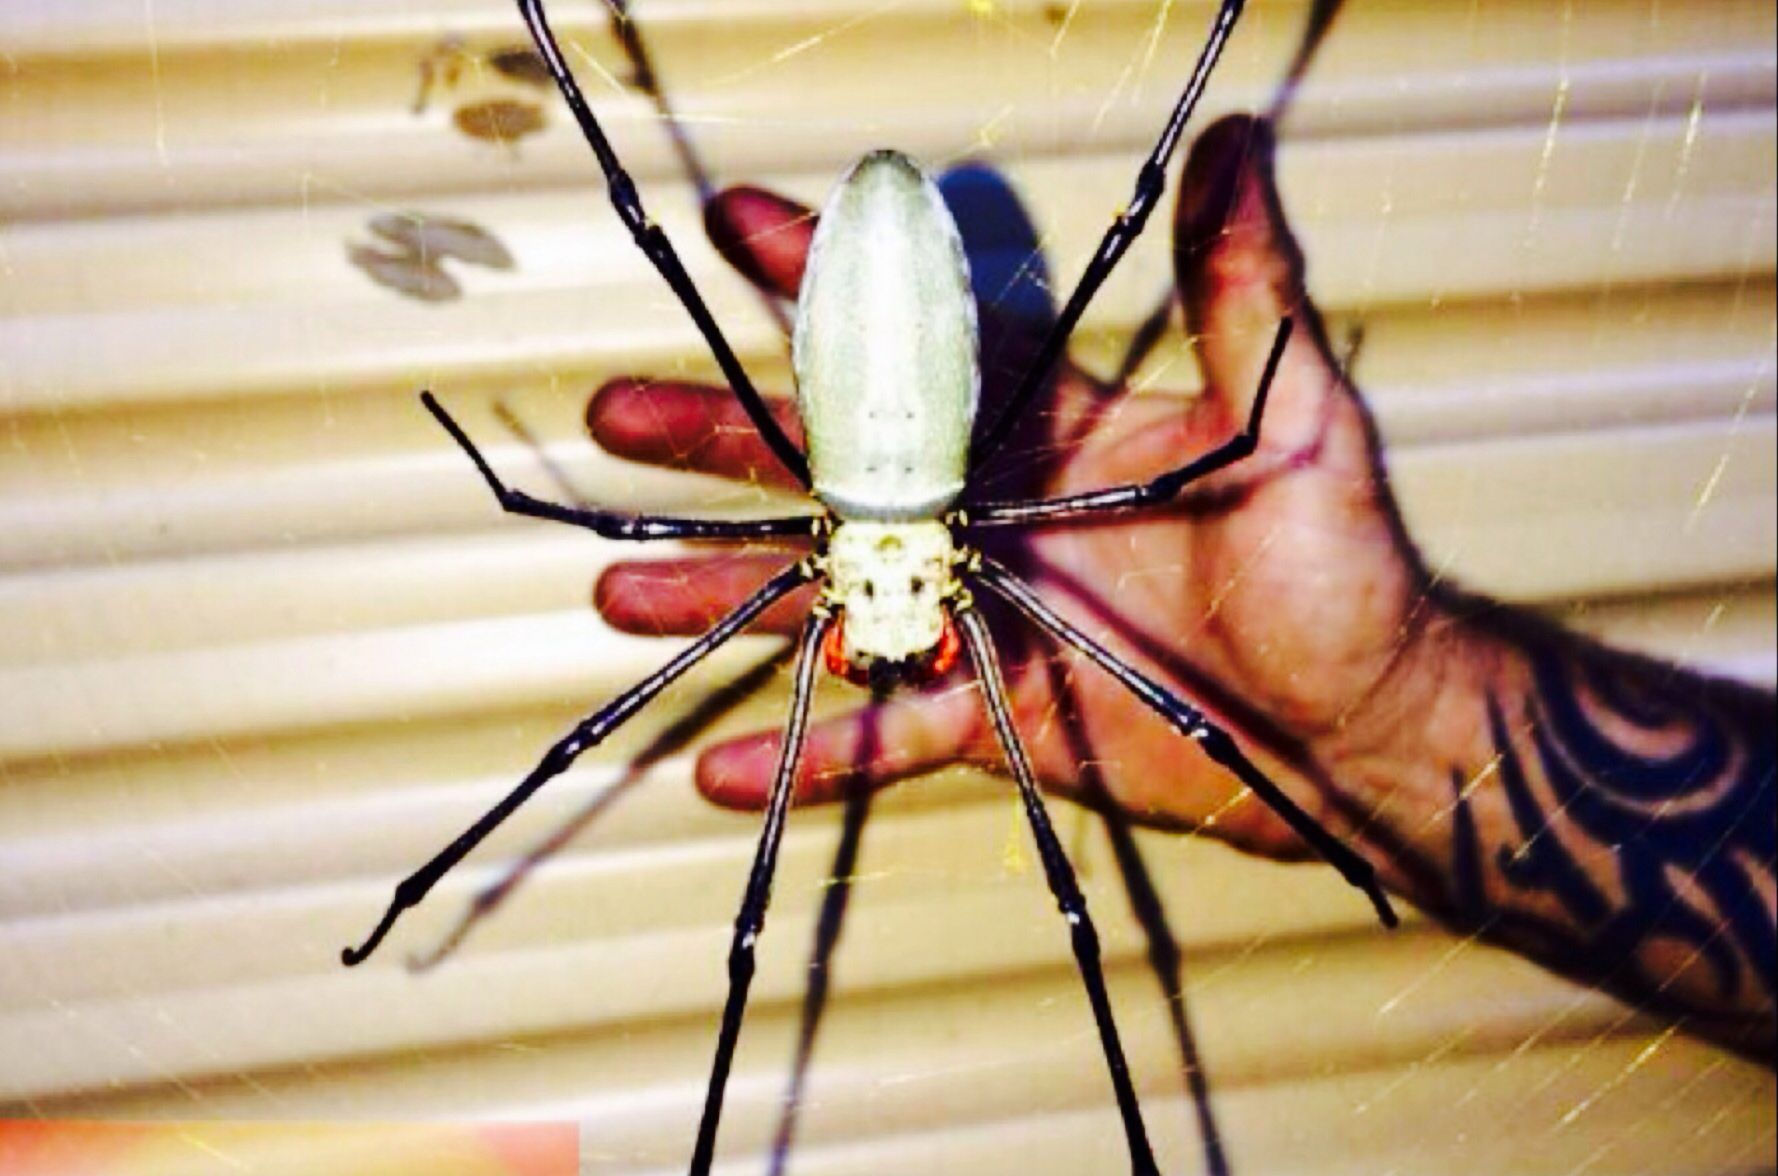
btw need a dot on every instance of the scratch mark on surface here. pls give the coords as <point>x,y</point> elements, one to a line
<point>154,70</point>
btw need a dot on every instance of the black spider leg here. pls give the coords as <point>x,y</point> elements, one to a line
<point>678,735</point>
<point>653,242</point>
<point>1151,181</point>
<point>1320,20</point>
<point>587,733</point>
<point>1161,489</point>
<point>1165,959</point>
<point>629,35</point>
<point>828,926</point>
<point>613,524</point>
<point>1060,875</point>
<point>752,916</point>
<point>1168,965</point>
<point>1193,724</point>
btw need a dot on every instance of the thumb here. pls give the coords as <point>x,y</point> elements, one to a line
<point>1241,273</point>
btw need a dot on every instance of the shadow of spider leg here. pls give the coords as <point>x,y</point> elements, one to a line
<point>654,244</point>
<point>585,734</point>
<point>1195,725</point>
<point>829,923</point>
<point>1164,957</point>
<point>672,741</point>
<point>1015,310</point>
<point>1083,937</point>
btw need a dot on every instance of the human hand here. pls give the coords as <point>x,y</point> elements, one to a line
<point>1279,594</point>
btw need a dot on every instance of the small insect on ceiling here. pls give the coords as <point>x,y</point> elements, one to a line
<point>417,246</point>
<point>493,102</point>
<point>500,104</point>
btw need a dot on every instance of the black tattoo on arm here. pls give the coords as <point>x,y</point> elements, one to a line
<point>1640,840</point>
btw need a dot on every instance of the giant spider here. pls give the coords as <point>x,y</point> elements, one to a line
<point>885,355</point>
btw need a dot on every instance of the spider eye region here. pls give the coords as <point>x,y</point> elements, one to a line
<point>891,584</point>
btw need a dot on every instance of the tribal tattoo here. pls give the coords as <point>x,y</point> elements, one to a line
<point>1640,846</point>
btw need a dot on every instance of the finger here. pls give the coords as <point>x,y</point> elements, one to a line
<point>1233,254</point>
<point>763,235</point>
<point>685,597</point>
<point>913,733</point>
<point>1241,273</point>
<point>689,426</point>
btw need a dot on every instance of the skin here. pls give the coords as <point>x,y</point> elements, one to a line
<point>1432,731</point>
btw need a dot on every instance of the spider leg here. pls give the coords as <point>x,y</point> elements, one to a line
<point>752,916</point>
<point>828,926</point>
<point>1161,489</point>
<point>653,242</point>
<point>612,524</point>
<point>1193,724</point>
<point>1168,965</point>
<point>1165,959</point>
<point>1062,882</point>
<point>1151,181</point>
<point>587,733</point>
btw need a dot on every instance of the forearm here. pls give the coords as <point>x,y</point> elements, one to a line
<point>1610,817</point>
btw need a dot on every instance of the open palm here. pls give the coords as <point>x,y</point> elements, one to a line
<point>1274,594</point>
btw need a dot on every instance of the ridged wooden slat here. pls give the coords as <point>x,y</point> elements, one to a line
<point>1604,195</point>
<point>265,643</point>
<point>1286,1127</point>
<point>391,797</point>
<point>145,131</point>
<point>1671,521</point>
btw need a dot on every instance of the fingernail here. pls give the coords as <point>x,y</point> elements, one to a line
<point>734,774</point>
<point>607,593</point>
<point>605,420</point>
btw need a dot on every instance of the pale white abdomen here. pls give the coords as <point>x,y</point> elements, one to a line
<point>885,346</point>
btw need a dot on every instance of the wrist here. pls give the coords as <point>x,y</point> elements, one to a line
<point>1605,815</point>
<point>1418,735</point>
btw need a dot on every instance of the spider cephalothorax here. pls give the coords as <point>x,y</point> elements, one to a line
<point>887,387</point>
<point>891,587</point>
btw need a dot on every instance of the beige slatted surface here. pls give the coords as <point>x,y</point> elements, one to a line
<point>264,644</point>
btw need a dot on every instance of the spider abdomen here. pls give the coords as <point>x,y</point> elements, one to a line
<point>885,346</point>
